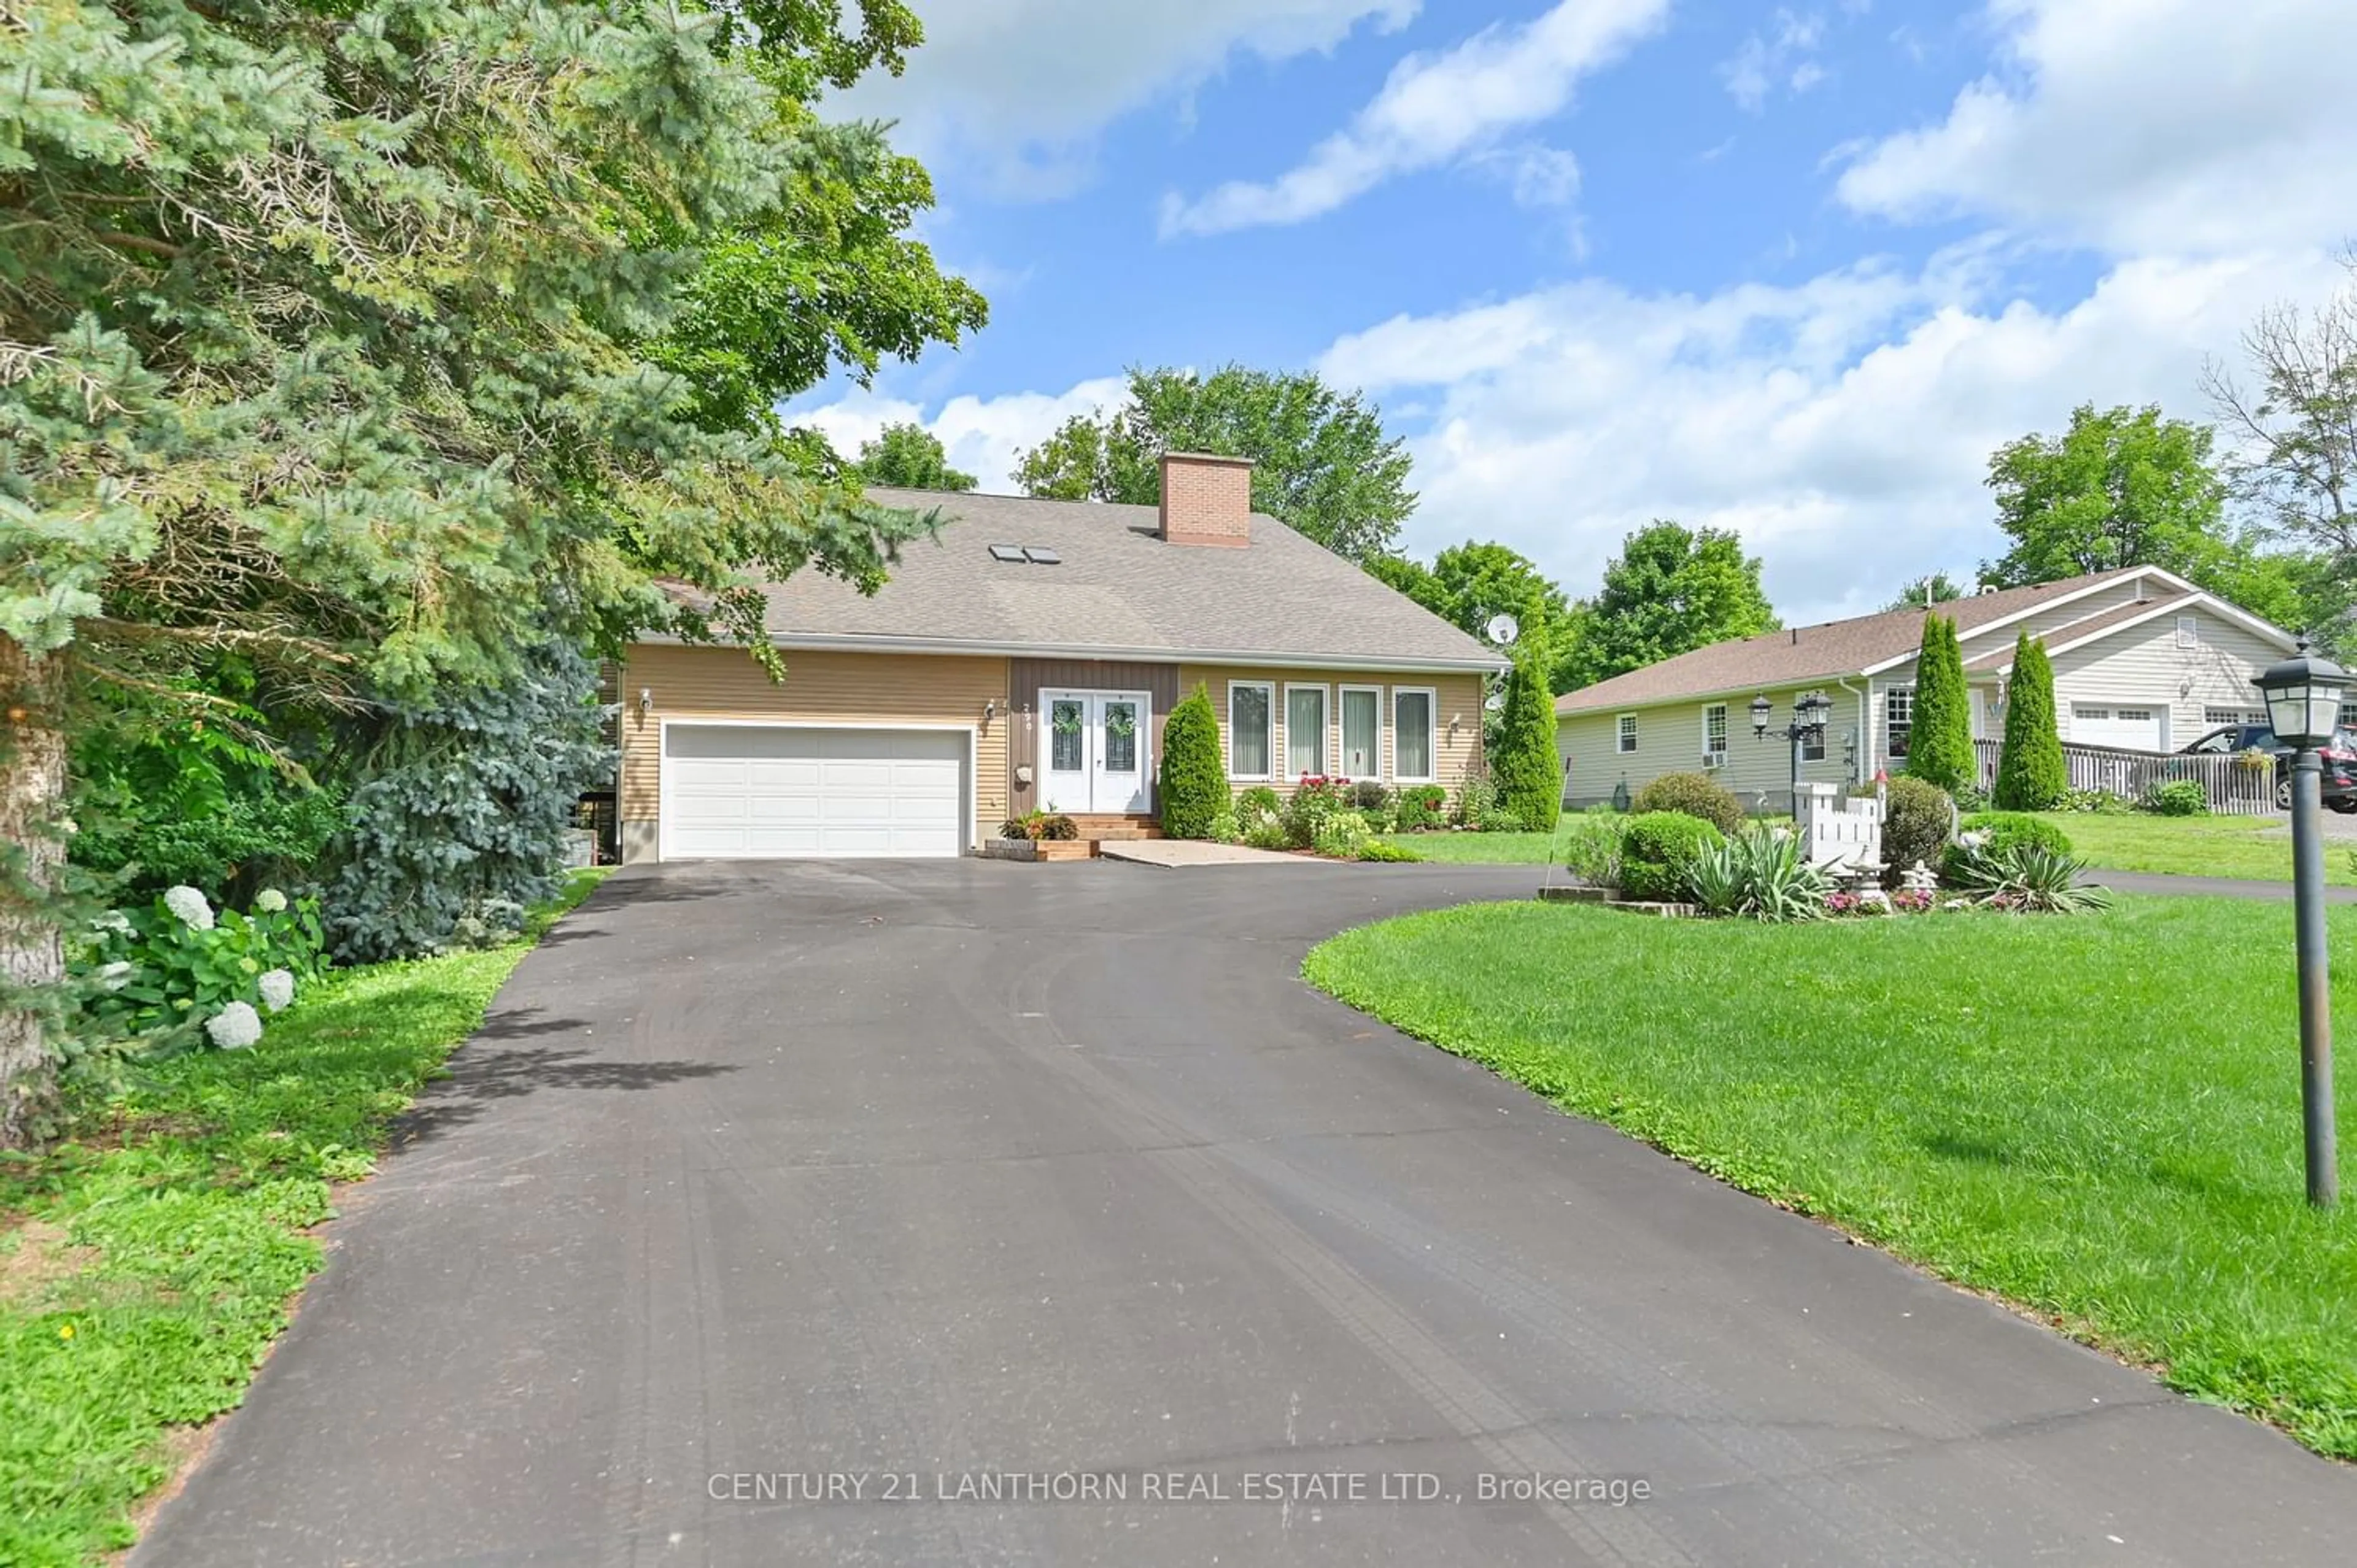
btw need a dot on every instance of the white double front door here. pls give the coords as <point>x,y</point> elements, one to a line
<point>1092,751</point>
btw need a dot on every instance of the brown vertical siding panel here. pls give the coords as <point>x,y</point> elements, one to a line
<point>864,688</point>
<point>1026,678</point>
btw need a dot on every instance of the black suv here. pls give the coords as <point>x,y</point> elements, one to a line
<point>2340,757</point>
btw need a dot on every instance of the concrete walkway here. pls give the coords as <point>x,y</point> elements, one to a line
<point>1194,852</point>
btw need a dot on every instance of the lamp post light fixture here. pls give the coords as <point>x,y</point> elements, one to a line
<point>1810,712</point>
<point>2303,695</point>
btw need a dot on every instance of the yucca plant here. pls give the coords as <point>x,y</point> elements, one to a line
<point>1759,872</point>
<point>2028,878</point>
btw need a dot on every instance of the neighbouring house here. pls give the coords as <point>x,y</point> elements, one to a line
<point>2143,661</point>
<point>1027,657</point>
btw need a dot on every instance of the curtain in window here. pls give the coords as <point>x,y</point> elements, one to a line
<point>1412,736</point>
<point>1305,731</point>
<point>1362,756</point>
<point>1248,731</point>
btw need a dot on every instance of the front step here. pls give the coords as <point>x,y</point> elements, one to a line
<point>1115,825</point>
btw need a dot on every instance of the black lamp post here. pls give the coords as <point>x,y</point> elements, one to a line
<point>2303,697</point>
<point>1808,727</point>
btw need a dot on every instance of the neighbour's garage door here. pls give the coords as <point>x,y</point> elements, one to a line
<point>2101,723</point>
<point>763,792</point>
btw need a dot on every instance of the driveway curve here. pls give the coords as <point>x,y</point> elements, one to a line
<point>981,1212</point>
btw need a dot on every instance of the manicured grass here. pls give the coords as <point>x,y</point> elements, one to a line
<point>1501,849</point>
<point>148,1263</point>
<point>2195,847</point>
<point>2097,1117</point>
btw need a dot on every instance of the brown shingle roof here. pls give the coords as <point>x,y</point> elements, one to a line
<point>1120,591</point>
<point>1813,652</point>
<point>2157,595</point>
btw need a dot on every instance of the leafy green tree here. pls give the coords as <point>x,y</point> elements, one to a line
<point>1470,584</point>
<point>911,456</point>
<point>1939,743</point>
<point>1193,786</point>
<point>1526,768</point>
<point>1938,588</point>
<point>1671,590</point>
<point>1323,463</point>
<point>332,339</point>
<point>827,277</point>
<point>2030,776</point>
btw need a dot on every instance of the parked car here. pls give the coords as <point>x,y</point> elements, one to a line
<point>2339,760</point>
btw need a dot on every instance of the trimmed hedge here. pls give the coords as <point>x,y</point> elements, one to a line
<point>2007,831</point>
<point>1658,851</point>
<point>1691,795</point>
<point>1193,786</point>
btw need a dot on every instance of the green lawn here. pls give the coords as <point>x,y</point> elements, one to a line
<point>2185,846</point>
<point>2194,846</point>
<point>146,1264</point>
<point>2097,1117</point>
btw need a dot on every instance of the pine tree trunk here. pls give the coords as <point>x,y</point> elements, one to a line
<point>32,784</point>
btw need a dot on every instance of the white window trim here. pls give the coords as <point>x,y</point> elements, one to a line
<point>1630,738</point>
<point>1431,695</point>
<point>1714,758</point>
<point>1343,689</point>
<point>1268,689</point>
<point>1326,744</point>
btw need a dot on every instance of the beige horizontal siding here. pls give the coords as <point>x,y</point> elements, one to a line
<point>1669,740</point>
<point>2144,667</point>
<point>1457,715</point>
<point>861,688</point>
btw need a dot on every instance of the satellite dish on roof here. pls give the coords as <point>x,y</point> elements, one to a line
<point>1503,629</point>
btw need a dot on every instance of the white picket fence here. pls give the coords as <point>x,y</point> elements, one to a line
<point>2233,786</point>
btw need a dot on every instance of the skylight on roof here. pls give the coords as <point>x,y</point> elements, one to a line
<point>1025,555</point>
<point>1013,552</point>
<point>1042,557</point>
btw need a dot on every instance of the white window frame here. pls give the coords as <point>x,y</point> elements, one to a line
<point>1326,737</point>
<point>1431,695</point>
<point>1888,724</point>
<point>1624,735</point>
<point>2189,631</point>
<point>1714,757</point>
<point>1267,689</point>
<point>1342,690</point>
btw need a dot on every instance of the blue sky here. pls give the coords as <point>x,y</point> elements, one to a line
<point>1793,270</point>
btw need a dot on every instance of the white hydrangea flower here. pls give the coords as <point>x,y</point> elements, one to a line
<point>191,906</point>
<point>270,901</point>
<point>114,976</point>
<point>235,1026</point>
<point>277,990</point>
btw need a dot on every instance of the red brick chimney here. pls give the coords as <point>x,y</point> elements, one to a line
<point>1206,500</point>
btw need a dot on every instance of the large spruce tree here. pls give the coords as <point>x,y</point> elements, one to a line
<point>331,339</point>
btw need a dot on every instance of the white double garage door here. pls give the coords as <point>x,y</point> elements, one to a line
<point>776,793</point>
<point>2134,726</point>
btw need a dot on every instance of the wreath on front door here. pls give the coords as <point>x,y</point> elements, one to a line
<point>1121,722</point>
<point>1067,718</point>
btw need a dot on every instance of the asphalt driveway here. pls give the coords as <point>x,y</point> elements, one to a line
<point>1055,1183</point>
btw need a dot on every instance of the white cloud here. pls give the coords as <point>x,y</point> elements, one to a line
<point>1017,90</point>
<point>1785,54</point>
<point>1843,425</point>
<point>2143,126</point>
<point>1433,110</point>
<point>982,436</point>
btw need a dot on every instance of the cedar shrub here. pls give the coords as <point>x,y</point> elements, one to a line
<point>1940,745</point>
<point>1193,785</point>
<point>2030,772</point>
